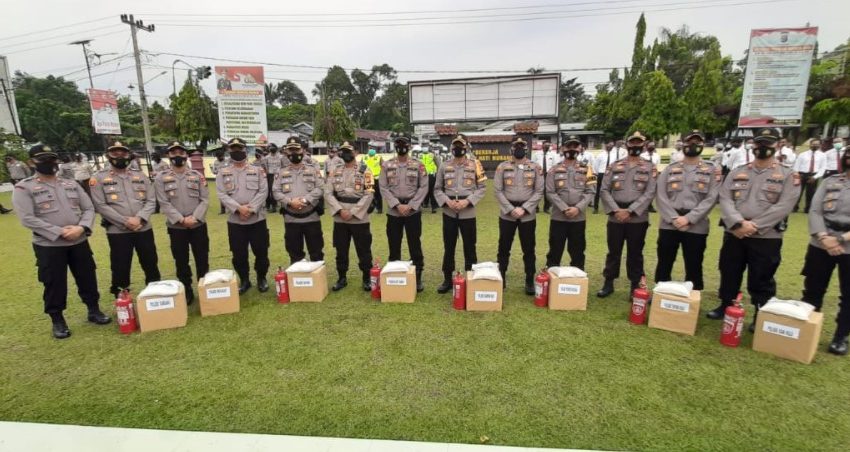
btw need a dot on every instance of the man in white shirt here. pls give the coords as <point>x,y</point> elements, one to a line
<point>605,159</point>
<point>739,155</point>
<point>785,154</point>
<point>650,155</point>
<point>833,155</point>
<point>811,166</point>
<point>678,155</point>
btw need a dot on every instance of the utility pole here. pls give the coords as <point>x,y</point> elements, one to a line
<point>83,44</point>
<point>134,25</point>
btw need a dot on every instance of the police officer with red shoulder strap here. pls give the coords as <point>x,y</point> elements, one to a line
<point>60,216</point>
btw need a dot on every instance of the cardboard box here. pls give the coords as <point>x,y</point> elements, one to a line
<point>160,313</point>
<point>674,313</point>
<point>483,294</point>
<point>218,298</point>
<point>788,338</point>
<point>308,287</point>
<point>567,294</point>
<point>399,287</point>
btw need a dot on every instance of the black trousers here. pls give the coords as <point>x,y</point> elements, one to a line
<point>343,234</point>
<point>453,226</point>
<point>241,236</point>
<point>121,248</point>
<point>807,189</point>
<point>270,201</point>
<point>430,200</point>
<point>598,191</point>
<point>411,225</point>
<point>818,272</point>
<point>507,230</point>
<point>759,257</point>
<point>53,263</point>
<point>196,239</point>
<point>296,234</point>
<point>378,200</point>
<point>693,250</point>
<point>571,234</point>
<point>633,235</point>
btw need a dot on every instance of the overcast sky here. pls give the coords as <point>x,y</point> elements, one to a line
<point>571,34</point>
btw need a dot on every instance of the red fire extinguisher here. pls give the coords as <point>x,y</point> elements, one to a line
<point>124,313</point>
<point>459,292</point>
<point>733,323</point>
<point>640,300</point>
<point>375,280</point>
<point>280,285</point>
<point>541,289</point>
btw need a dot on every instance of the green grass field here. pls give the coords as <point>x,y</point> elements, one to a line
<point>351,367</point>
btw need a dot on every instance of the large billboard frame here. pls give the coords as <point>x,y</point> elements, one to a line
<point>477,81</point>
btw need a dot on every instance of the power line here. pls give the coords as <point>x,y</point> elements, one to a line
<point>74,33</point>
<point>60,43</point>
<point>31,32</point>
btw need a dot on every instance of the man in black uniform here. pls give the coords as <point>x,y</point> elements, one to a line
<point>60,215</point>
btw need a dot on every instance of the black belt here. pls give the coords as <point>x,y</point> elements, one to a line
<point>516,203</point>
<point>683,212</point>
<point>624,205</point>
<point>297,215</point>
<point>404,201</point>
<point>836,226</point>
<point>457,198</point>
<point>347,199</point>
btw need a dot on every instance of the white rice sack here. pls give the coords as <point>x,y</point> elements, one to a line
<point>486,270</point>
<point>305,266</point>
<point>680,289</point>
<point>567,272</point>
<point>219,276</point>
<point>167,288</point>
<point>397,267</point>
<point>794,309</point>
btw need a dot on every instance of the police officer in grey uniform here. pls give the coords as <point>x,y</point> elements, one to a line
<point>570,186</point>
<point>219,163</point>
<point>125,200</point>
<point>184,198</point>
<point>687,191</point>
<point>299,189</point>
<point>274,163</point>
<point>17,170</point>
<point>460,185</point>
<point>829,227</point>
<point>754,200</point>
<point>518,185</point>
<point>242,188</point>
<point>404,185</point>
<point>332,161</point>
<point>627,190</point>
<point>61,217</point>
<point>348,195</point>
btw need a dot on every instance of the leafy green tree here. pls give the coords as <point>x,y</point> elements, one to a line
<point>660,108</point>
<point>284,93</point>
<point>332,123</point>
<point>705,93</point>
<point>574,101</point>
<point>195,114</point>
<point>283,117</point>
<point>335,86</point>
<point>390,110</point>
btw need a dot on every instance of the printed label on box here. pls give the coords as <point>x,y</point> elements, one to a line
<point>569,289</point>
<point>781,330</point>
<point>157,304</point>
<point>396,280</point>
<point>676,306</point>
<point>486,296</point>
<point>218,292</point>
<point>302,282</point>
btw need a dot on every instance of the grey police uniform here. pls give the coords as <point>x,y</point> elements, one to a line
<point>351,187</point>
<point>17,171</point>
<point>569,185</point>
<point>302,225</point>
<point>45,207</point>
<point>273,165</point>
<point>457,180</point>
<point>629,186</point>
<point>245,185</point>
<point>688,191</point>
<point>764,196</point>
<point>518,185</point>
<point>118,196</point>
<point>404,183</point>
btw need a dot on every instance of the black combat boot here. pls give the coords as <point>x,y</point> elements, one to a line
<point>367,282</point>
<point>607,289</point>
<point>529,285</point>
<point>838,346</point>
<point>447,283</point>
<point>340,284</point>
<point>97,317</point>
<point>60,328</point>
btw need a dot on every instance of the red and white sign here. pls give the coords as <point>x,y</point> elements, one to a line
<point>242,103</point>
<point>777,79</point>
<point>104,111</point>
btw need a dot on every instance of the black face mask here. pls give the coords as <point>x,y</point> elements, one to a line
<point>296,158</point>
<point>763,152</point>
<point>220,159</point>
<point>274,151</point>
<point>458,152</point>
<point>48,167</point>
<point>693,150</point>
<point>635,150</point>
<point>238,156</point>
<point>347,156</point>
<point>178,161</point>
<point>157,159</point>
<point>119,162</point>
<point>519,153</point>
<point>816,148</point>
<point>402,150</point>
<point>571,154</point>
